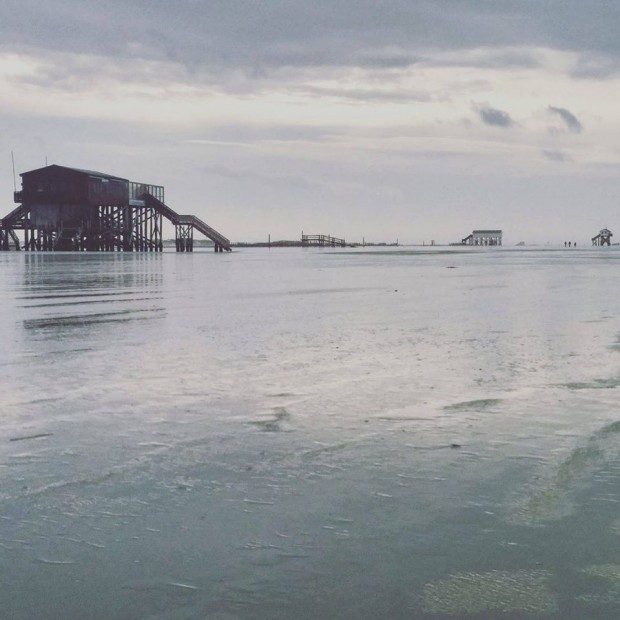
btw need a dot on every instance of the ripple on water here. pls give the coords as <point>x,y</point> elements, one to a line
<point>553,497</point>
<point>81,320</point>
<point>596,384</point>
<point>474,405</point>
<point>275,422</point>
<point>609,575</point>
<point>609,572</point>
<point>505,592</point>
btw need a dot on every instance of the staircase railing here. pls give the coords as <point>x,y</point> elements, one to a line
<point>190,220</point>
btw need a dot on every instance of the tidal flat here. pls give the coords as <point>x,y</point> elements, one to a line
<point>307,433</point>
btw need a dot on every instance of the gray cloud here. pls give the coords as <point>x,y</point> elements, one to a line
<point>248,133</point>
<point>250,174</point>
<point>216,37</point>
<point>486,58</point>
<point>369,94</point>
<point>572,122</point>
<point>494,117</point>
<point>596,67</point>
<point>556,156</point>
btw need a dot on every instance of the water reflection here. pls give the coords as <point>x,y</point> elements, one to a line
<point>64,283</point>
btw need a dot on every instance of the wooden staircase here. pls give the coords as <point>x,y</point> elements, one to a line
<point>186,220</point>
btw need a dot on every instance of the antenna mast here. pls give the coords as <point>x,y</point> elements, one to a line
<point>14,181</point>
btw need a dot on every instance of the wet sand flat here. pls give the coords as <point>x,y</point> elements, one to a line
<point>310,434</point>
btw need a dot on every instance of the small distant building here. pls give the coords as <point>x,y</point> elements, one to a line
<point>483,237</point>
<point>603,238</point>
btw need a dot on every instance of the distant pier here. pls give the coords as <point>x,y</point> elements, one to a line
<point>322,241</point>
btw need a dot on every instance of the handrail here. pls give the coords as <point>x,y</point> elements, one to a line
<point>186,220</point>
<point>321,240</point>
<point>8,219</point>
<point>203,227</point>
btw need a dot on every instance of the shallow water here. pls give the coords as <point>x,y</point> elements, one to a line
<point>310,434</point>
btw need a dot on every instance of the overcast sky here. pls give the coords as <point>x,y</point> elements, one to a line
<point>416,119</point>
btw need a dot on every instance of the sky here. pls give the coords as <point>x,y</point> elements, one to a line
<point>408,119</point>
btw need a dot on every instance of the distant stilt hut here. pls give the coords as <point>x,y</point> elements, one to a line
<point>603,238</point>
<point>483,237</point>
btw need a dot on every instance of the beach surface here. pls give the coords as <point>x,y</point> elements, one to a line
<point>355,433</point>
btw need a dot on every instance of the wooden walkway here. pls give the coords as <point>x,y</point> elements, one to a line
<point>322,241</point>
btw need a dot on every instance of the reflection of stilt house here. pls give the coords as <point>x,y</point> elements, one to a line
<point>603,238</point>
<point>483,237</point>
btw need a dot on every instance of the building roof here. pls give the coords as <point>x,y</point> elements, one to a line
<point>487,232</point>
<point>91,173</point>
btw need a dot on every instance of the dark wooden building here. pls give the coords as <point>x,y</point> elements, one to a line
<point>57,185</point>
<point>72,209</point>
